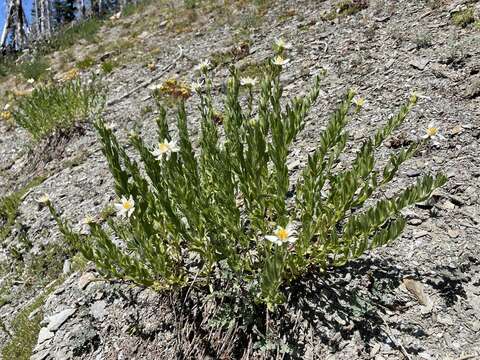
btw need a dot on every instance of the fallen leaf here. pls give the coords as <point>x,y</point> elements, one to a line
<point>456,130</point>
<point>416,288</point>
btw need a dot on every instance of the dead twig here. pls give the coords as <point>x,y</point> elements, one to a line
<point>190,287</point>
<point>466,357</point>
<point>397,343</point>
<point>428,13</point>
<point>149,81</point>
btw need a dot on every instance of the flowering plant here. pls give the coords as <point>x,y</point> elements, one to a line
<point>228,205</point>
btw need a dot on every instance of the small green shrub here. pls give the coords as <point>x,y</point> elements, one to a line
<point>464,17</point>
<point>8,64</point>
<point>189,217</point>
<point>86,63</point>
<point>346,8</point>
<point>9,207</point>
<point>5,66</point>
<point>60,106</point>
<point>190,4</point>
<point>423,41</point>
<point>350,7</point>
<point>33,69</point>
<point>107,67</point>
<point>25,333</point>
<point>71,34</point>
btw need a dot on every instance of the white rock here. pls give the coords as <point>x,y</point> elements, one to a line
<point>67,266</point>
<point>40,355</point>
<point>57,320</point>
<point>98,309</point>
<point>44,335</point>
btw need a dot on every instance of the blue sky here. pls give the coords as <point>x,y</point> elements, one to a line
<point>3,8</point>
<point>2,12</point>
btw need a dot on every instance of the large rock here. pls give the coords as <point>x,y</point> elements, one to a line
<point>57,320</point>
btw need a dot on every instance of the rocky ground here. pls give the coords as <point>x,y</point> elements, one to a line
<point>418,298</point>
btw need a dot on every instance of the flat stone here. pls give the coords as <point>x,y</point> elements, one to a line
<point>85,279</point>
<point>413,173</point>
<point>40,355</point>
<point>57,320</point>
<point>415,221</point>
<point>448,205</point>
<point>44,335</point>
<point>293,164</point>
<point>419,233</point>
<point>419,63</point>
<point>453,233</point>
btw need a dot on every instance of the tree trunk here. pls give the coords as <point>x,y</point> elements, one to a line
<point>82,9</point>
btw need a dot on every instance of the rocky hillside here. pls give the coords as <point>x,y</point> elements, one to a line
<point>417,298</point>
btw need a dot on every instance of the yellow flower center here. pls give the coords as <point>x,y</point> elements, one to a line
<point>432,131</point>
<point>163,147</point>
<point>127,205</point>
<point>282,234</point>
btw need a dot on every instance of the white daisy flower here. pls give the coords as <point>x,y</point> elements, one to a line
<point>282,235</point>
<point>88,220</point>
<point>432,132</point>
<point>196,86</point>
<point>43,199</point>
<point>248,81</point>
<point>125,207</point>
<point>203,66</point>
<point>31,81</point>
<point>110,126</point>
<point>165,149</point>
<point>281,44</point>
<point>280,61</point>
<point>359,101</point>
<point>155,87</point>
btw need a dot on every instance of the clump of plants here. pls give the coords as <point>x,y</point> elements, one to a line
<point>70,75</point>
<point>350,7</point>
<point>85,63</point>
<point>5,115</point>
<point>71,34</point>
<point>25,330</point>
<point>463,17</point>
<point>33,69</point>
<point>423,41</point>
<point>59,106</point>
<point>107,67</point>
<point>228,209</point>
<point>174,89</point>
<point>347,8</point>
<point>9,207</point>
